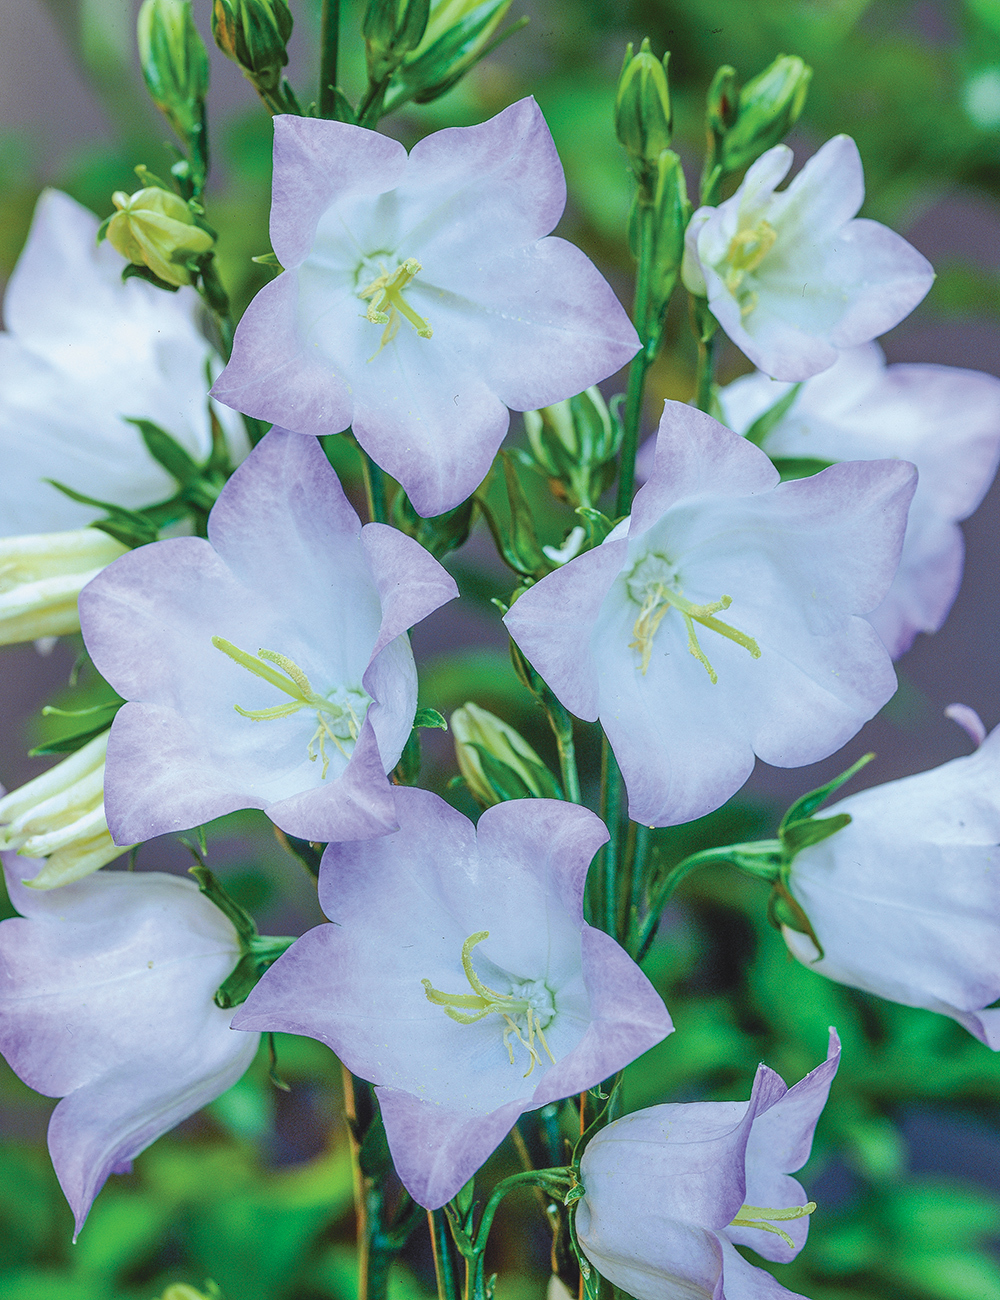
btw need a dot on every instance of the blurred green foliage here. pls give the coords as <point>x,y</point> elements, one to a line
<point>255,1193</point>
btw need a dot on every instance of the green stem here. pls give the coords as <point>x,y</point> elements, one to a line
<point>706,373</point>
<point>554,1181</point>
<point>329,41</point>
<point>642,840</point>
<point>611,793</point>
<point>374,488</point>
<point>626,882</point>
<point>444,1266</point>
<point>640,362</point>
<point>370,108</point>
<point>562,728</point>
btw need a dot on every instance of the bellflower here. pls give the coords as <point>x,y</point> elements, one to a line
<point>479,994</point>
<point>943,419</point>
<point>905,900</point>
<point>81,353</point>
<point>637,633</point>
<point>106,991</point>
<point>267,667</point>
<point>420,299</point>
<point>671,1191</point>
<point>795,277</point>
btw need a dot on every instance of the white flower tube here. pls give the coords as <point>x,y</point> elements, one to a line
<point>41,576</point>
<point>59,816</point>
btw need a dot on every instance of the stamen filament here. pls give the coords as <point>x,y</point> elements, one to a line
<point>659,599</point>
<point>255,666</point>
<point>756,1216</point>
<point>388,304</point>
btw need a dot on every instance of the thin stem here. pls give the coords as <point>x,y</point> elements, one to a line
<point>444,1268</point>
<point>705,374</point>
<point>358,1182</point>
<point>642,841</point>
<point>374,488</point>
<point>611,787</point>
<point>555,1180</point>
<point>370,108</point>
<point>625,883</point>
<point>562,728</point>
<point>640,362</point>
<point>329,41</point>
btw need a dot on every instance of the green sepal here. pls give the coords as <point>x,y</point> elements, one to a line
<point>132,271</point>
<point>407,770</point>
<point>807,804</point>
<point>100,717</point>
<point>430,718</point>
<point>374,1159</point>
<point>167,451</point>
<point>465,1197</point>
<point>257,952</point>
<point>604,1117</point>
<point>431,73</point>
<point>784,910</point>
<point>343,110</point>
<point>308,852</point>
<point>267,259</point>
<point>796,467</point>
<point>597,524</point>
<point>438,534</point>
<point>519,549</point>
<point>508,784</point>
<point>813,830</point>
<point>130,527</point>
<point>767,420</point>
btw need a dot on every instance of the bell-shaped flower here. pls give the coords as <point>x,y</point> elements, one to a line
<point>267,667</point>
<point>41,577</point>
<point>420,299</point>
<point>669,1192</point>
<point>794,277</point>
<point>480,993</point>
<point>943,419</point>
<point>84,352</point>
<point>723,613</point>
<point>59,816</point>
<point>106,1000</point>
<point>905,900</point>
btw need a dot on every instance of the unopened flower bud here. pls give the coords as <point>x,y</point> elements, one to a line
<point>156,228</point>
<point>41,577</point>
<point>722,101</point>
<point>458,34</point>
<point>392,28</point>
<point>643,120</point>
<point>174,63</point>
<point>575,442</point>
<point>254,34</point>
<point>496,761</point>
<point>60,816</point>
<point>769,106</point>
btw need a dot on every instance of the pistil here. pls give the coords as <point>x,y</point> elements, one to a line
<point>468,1008</point>
<point>747,249</point>
<point>388,306</point>
<point>757,1216</point>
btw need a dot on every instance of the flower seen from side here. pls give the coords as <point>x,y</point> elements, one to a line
<point>41,577</point>
<point>725,610</point>
<point>669,1192</point>
<point>106,995</point>
<point>421,298</point>
<point>82,353</point>
<point>943,419</point>
<point>905,900</point>
<point>481,993</point>
<point>794,277</point>
<point>267,667</point>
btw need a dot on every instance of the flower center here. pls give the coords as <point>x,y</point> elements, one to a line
<point>388,306</point>
<point>756,1216</point>
<point>747,249</point>
<point>652,584</point>
<point>339,713</point>
<point>526,1010</point>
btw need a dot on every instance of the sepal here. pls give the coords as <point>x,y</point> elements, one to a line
<point>574,444</point>
<point>496,762</point>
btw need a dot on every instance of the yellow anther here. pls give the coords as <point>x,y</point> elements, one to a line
<point>468,1008</point>
<point>757,1216</point>
<point>747,249</point>
<point>388,305</point>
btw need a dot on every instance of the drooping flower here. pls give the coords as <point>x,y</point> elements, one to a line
<point>41,577</point>
<point>267,667</point>
<point>420,299</point>
<point>637,633</point>
<point>479,994</point>
<point>82,353</point>
<point>59,817</point>
<point>905,900</point>
<point>794,277</point>
<point>943,419</point>
<point>106,991</point>
<point>671,1191</point>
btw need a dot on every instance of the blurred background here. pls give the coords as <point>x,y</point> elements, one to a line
<point>255,1192</point>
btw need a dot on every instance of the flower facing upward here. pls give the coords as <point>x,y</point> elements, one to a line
<point>480,993</point>
<point>82,353</point>
<point>791,277</point>
<point>905,900</point>
<point>945,420</point>
<point>419,299</point>
<point>267,667</point>
<point>671,1191</point>
<point>106,991</point>
<point>723,612</point>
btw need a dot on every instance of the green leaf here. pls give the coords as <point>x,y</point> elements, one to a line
<point>764,423</point>
<point>799,835</point>
<point>430,718</point>
<point>167,451</point>
<point>130,527</point>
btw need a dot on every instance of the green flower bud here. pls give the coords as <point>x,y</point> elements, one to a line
<point>722,101</point>
<point>496,762</point>
<point>254,34</point>
<point>156,228</point>
<point>174,63</point>
<point>769,105</point>
<point>459,33</point>
<point>574,442</point>
<point>392,28</point>
<point>643,120</point>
